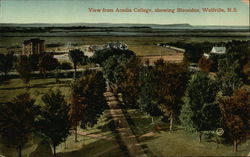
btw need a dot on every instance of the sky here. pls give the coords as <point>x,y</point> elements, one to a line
<point>77,11</point>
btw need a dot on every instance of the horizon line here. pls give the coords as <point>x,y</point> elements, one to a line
<point>118,23</point>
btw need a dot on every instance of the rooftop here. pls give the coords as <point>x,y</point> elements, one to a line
<point>34,40</point>
<point>218,50</point>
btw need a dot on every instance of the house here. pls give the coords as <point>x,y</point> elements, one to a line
<point>218,50</point>
<point>116,45</point>
<point>33,46</point>
<point>109,45</point>
<point>215,51</point>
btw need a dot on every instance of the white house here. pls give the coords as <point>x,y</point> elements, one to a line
<point>216,51</point>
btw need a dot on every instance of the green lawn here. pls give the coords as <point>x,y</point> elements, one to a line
<point>87,145</point>
<point>177,143</point>
<point>38,87</point>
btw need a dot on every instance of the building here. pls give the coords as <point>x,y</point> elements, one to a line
<point>109,45</point>
<point>116,45</point>
<point>33,46</point>
<point>218,50</point>
<point>215,51</point>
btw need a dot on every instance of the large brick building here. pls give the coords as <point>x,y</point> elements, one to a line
<point>33,46</point>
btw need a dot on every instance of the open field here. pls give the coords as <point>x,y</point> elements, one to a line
<point>38,87</point>
<point>177,143</point>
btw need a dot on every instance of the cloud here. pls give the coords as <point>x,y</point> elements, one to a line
<point>246,2</point>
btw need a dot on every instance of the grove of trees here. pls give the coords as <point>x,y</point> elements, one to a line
<point>166,89</point>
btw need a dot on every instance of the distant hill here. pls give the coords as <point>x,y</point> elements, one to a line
<point>107,28</point>
<point>91,25</point>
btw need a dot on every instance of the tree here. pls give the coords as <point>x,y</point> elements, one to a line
<point>6,62</point>
<point>47,63</point>
<point>235,115</point>
<point>102,55</point>
<point>171,80</point>
<point>205,64</point>
<point>90,99</point>
<point>34,61</point>
<point>194,51</point>
<point>77,108</point>
<point>112,70</point>
<point>229,76</point>
<point>17,120</point>
<point>148,92</point>
<point>24,69</point>
<point>200,111</point>
<point>238,50</point>
<point>54,119</point>
<point>77,57</point>
<point>123,75</point>
<point>129,84</point>
<point>87,101</point>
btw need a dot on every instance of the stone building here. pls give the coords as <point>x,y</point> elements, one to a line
<point>33,46</point>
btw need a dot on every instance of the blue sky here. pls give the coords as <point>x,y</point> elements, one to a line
<point>76,11</point>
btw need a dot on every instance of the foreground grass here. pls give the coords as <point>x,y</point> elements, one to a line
<point>89,145</point>
<point>177,143</point>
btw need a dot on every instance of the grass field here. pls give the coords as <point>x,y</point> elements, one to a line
<point>89,145</point>
<point>38,87</point>
<point>178,142</point>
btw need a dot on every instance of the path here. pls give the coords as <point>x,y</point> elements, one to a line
<point>122,127</point>
<point>93,135</point>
